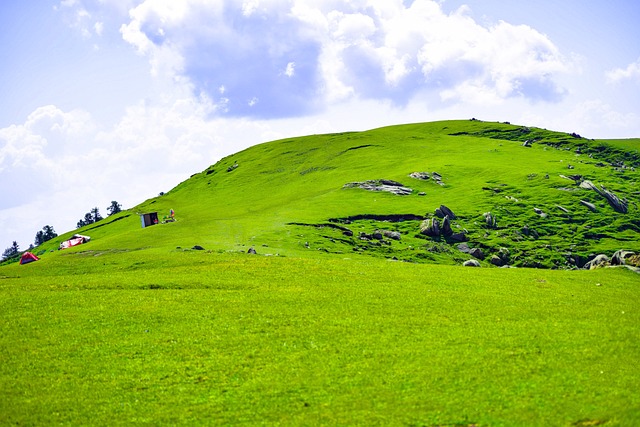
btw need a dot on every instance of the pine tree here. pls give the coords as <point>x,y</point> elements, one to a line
<point>114,208</point>
<point>11,251</point>
<point>47,233</point>
<point>95,213</point>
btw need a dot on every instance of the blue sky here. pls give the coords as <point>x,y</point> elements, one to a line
<point>121,99</point>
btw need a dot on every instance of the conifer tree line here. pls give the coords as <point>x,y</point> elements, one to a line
<point>94,216</point>
<point>47,233</point>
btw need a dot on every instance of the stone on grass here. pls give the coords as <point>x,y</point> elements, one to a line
<point>496,260</point>
<point>477,253</point>
<point>381,185</point>
<point>599,261</point>
<point>471,263</point>
<point>430,227</point>
<point>443,211</point>
<point>619,258</point>
<point>591,206</point>
<point>459,237</point>
<point>445,229</point>
<point>491,220</point>
<point>395,235</point>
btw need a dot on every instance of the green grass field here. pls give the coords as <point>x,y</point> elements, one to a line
<point>325,328</point>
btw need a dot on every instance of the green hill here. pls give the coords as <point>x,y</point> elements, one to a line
<point>293,198</point>
<point>177,324</point>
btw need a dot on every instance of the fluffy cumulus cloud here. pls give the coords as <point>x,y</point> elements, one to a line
<point>29,153</point>
<point>57,165</point>
<point>631,72</point>
<point>284,58</point>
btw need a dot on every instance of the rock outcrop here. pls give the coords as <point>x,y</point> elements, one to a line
<point>445,229</point>
<point>590,206</point>
<point>496,260</point>
<point>599,261</point>
<point>426,176</point>
<point>395,235</point>
<point>443,211</point>
<point>387,185</point>
<point>477,253</point>
<point>619,205</point>
<point>491,220</point>
<point>430,227</point>
<point>620,257</point>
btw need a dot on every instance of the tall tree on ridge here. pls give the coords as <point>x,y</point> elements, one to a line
<point>114,208</point>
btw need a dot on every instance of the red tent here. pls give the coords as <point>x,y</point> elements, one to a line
<point>28,257</point>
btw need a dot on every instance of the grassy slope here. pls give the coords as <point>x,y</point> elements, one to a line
<point>128,328</point>
<point>301,180</point>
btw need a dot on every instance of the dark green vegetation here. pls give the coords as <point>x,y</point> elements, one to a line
<point>138,327</point>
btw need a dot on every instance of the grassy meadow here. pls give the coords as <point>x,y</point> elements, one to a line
<point>176,324</point>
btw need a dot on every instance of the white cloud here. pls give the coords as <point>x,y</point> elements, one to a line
<point>598,119</point>
<point>617,75</point>
<point>68,3</point>
<point>98,28</point>
<point>366,48</point>
<point>290,70</point>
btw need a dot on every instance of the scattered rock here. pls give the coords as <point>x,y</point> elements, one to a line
<point>381,185</point>
<point>477,253</point>
<point>504,255</point>
<point>443,211</point>
<point>599,261</point>
<point>198,248</point>
<point>540,212</point>
<point>420,175</point>
<point>445,229</point>
<point>527,143</point>
<point>377,235</point>
<point>619,258</point>
<point>437,178</point>
<point>422,193</point>
<point>633,260</point>
<point>619,205</point>
<point>463,247</point>
<point>496,260</point>
<point>591,206</point>
<point>425,176</point>
<point>395,235</point>
<point>471,263</point>
<point>565,210</point>
<point>577,260</point>
<point>251,250</point>
<point>430,227</point>
<point>529,232</point>
<point>459,237</point>
<point>491,220</point>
